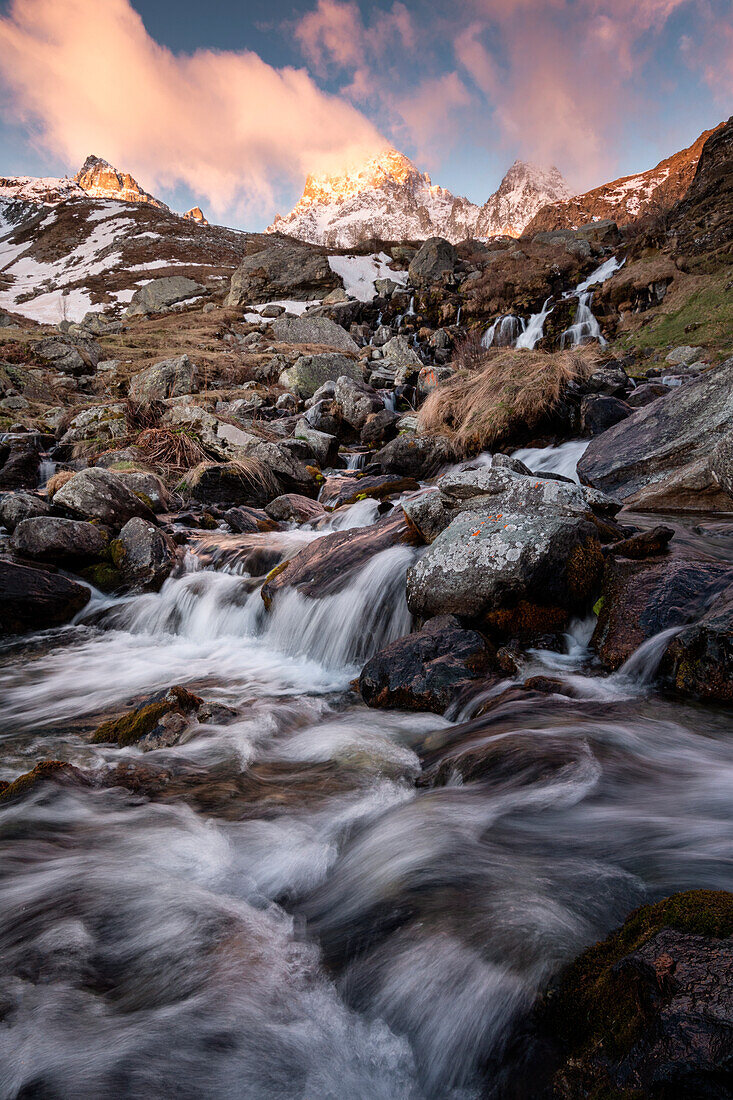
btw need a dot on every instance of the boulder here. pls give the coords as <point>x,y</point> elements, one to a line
<point>644,544</point>
<point>102,495</point>
<point>417,456</point>
<point>143,554</point>
<point>599,412</point>
<point>159,295</point>
<point>641,599</point>
<point>338,491</point>
<point>149,487</point>
<point>157,723</point>
<point>282,269</point>
<point>15,507</point>
<point>327,564</point>
<point>98,422</point>
<point>699,660</point>
<point>646,393</point>
<point>503,552</point>
<point>293,508</point>
<point>323,416</point>
<point>68,356</point>
<point>379,427</point>
<point>313,330</point>
<point>648,1012</point>
<point>21,463</point>
<point>434,258</point>
<point>399,352</point>
<point>663,439</point>
<point>357,401</point>
<point>311,371</point>
<point>248,521</point>
<point>426,670</point>
<point>169,378</point>
<point>721,463</point>
<point>33,599</point>
<point>289,460</point>
<point>610,379</point>
<point>63,541</point>
<point>228,483</point>
<point>430,377</point>
<point>325,446</point>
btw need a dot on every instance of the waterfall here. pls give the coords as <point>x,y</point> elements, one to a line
<point>535,329</point>
<point>357,460</point>
<point>585,327</point>
<point>504,331</point>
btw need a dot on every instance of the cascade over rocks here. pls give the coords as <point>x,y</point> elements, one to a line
<point>33,599</point>
<point>325,565</point>
<point>347,490</point>
<point>414,455</point>
<point>658,458</point>
<point>426,670</point>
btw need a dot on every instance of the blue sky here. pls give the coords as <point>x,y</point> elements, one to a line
<point>229,104</point>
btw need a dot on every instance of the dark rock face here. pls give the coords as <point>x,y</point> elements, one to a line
<point>144,555</point>
<point>721,463</point>
<point>699,660</point>
<point>610,379</point>
<point>639,600</point>
<point>599,412</point>
<point>417,456</point>
<point>325,565</point>
<point>663,439</point>
<point>347,490</point>
<point>15,507</point>
<point>247,521</point>
<point>645,544</point>
<point>282,269</point>
<point>224,483</point>
<point>646,393</point>
<point>102,495</point>
<point>649,1011</point>
<point>703,219</point>
<point>31,599</point>
<point>21,461</point>
<point>66,541</point>
<point>426,670</point>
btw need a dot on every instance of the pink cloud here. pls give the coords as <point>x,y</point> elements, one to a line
<point>88,78</point>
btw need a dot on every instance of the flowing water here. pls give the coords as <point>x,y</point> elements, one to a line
<point>292,915</point>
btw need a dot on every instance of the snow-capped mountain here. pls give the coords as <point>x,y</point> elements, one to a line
<point>96,179</point>
<point>525,189</point>
<point>628,198</point>
<point>388,198</point>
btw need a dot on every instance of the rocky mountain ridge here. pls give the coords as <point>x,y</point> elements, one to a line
<point>387,197</point>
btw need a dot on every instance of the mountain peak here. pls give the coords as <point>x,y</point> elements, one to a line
<point>387,167</point>
<point>100,180</point>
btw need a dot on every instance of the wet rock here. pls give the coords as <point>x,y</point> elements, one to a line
<point>33,599</point>
<point>325,565</point>
<point>64,541</point>
<point>55,772</point>
<point>283,269</point>
<point>494,556</point>
<point>338,491</point>
<point>250,520</point>
<point>639,600</point>
<point>159,295</point>
<point>357,401</point>
<point>474,756</point>
<point>426,670</point>
<point>434,258</point>
<point>417,456</point>
<point>21,462</point>
<point>15,507</point>
<point>645,544</point>
<point>598,413</point>
<point>169,378</point>
<point>144,555</point>
<point>325,446</point>
<point>150,726</point>
<point>313,330</point>
<point>293,508</point>
<point>309,372</point>
<point>649,1011</point>
<point>102,495</point>
<point>666,438</point>
<point>699,660</point>
<point>379,428</point>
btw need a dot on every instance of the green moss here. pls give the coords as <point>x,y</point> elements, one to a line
<point>129,728</point>
<point>705,319</point>
<point>103,576</point>
<point>144,498</point>
<point>116,552</point>
<point>47,769</point>
<point>592,1007</point>
<point>598,606</point>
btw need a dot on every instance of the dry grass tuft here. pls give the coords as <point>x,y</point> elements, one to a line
<point>173,449</point>
<point>468,354</point>
<point>57,480</point>
<point>141,415</point>
<point>252,472</point>
<point>507,395</point>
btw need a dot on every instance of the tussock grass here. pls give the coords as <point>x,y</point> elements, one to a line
<point>251,472</point>
<point>171,448</point>
<point>57,481</point>
<point>508,395</point>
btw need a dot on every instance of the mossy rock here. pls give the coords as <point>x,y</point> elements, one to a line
<point>591,1010</point>
<point>103,576</point>
<point>48,770</point>
<point>130,728</point>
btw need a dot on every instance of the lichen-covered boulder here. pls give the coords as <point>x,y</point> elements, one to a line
<point>169,378</point>
<point>307,329</point>
<point>62,541</point>
<point>417,456</point>
<point>102,495</point>
<point>15,507</point>
<point>282,269</point>
<point>160,294</point>
<point>309,372</point>
<point>357,401</point>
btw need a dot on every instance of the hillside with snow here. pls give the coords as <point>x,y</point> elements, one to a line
<point>389,199</point>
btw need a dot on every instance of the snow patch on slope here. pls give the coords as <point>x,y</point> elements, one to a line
<point>359,272</point>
